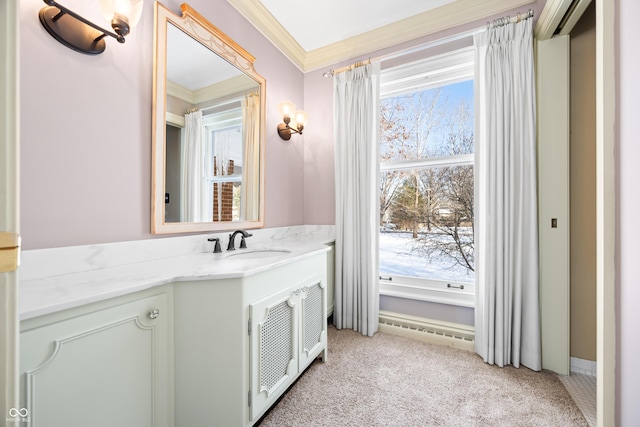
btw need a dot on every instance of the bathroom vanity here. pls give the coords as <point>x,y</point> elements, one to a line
<point>241,342</point>
<point>195,339</point>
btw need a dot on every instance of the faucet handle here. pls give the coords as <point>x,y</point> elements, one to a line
<point>216,247</point>
<point>243,242</point>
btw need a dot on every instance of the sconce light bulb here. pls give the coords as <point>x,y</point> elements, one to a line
<point>122,14</point>
<point>286,109</point>
<point>301,118</point>
<point>120,25</point>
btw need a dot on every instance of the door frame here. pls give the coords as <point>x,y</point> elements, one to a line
<point>9,215</point>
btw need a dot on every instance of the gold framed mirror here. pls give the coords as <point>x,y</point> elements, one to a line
<point>208,128</point>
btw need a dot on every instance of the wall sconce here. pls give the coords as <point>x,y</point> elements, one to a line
<point>293,122</point>
<point>81,35</point>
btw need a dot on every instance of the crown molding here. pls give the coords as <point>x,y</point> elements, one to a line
<point>181,92</point>
<point>261,18</point>
<point>236,85</point>
<point>448,16</point>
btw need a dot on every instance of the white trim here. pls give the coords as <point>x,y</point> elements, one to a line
<point>459,160</point>
<point>435,71</point>
<point>553,14</point>
<point>9,203</point>
<point>175,120</point>
<point>448,16</point>
<point>550,17</point>
<point>180,92</point>
<point>606,210</point>
<point>436,291</point>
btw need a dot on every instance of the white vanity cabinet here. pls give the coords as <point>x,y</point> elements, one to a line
<point>241,342</point>
<point>102,364</point>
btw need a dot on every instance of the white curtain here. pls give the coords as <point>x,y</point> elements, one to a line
<point>223,143</point>
<point>192,168</point>
<point>356,174</point>
<point>507,318</point>
<point>250,199</point>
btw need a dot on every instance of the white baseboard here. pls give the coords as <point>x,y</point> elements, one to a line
<point>582,366</point>
<point>427,330</point>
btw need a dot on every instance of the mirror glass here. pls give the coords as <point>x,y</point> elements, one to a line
<point>208,129</point>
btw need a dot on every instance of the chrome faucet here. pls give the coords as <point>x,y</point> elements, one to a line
<point>232,237</point>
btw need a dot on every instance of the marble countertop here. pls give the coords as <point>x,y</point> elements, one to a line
<point>45,295</point>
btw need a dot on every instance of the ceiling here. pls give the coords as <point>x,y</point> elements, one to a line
<point>316,34</point>
<point>317,24</point>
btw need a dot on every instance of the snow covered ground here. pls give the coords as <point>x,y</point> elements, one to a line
<point>397,258</point>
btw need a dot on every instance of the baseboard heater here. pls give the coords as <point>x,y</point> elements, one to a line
<point>427,330</point>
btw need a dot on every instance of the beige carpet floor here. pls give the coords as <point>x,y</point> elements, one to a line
<point>393,381</point>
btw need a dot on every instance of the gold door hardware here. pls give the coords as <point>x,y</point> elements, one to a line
<point>9,251</point>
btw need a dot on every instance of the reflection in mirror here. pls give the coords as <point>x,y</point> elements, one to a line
<point>209,143</point>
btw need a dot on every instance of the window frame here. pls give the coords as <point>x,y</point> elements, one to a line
<point>438,71</point>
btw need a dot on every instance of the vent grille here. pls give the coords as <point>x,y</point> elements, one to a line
<point>276,346</point>
<point>312,310</point>
<point>428,330</point>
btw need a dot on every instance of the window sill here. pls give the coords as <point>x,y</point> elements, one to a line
<point>435,294</point>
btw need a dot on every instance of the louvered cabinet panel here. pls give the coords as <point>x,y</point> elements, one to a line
<point>274,344</point>
<point>314,326</point>
<point>288,331</point>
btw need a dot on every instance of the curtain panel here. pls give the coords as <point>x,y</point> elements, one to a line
<point>250,199</point>
<point>356,94</point>
<point>192,171</point>
<point>507,314</point>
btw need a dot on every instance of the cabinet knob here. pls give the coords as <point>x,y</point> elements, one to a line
<point>153,314</point>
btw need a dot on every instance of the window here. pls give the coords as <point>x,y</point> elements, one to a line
<point>223,164</point>
<point>427,179</point>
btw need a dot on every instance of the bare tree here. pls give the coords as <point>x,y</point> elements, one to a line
<point>453,235</point>
<point>393,136</point>
<point>434,204</point>
<point>419,118</point>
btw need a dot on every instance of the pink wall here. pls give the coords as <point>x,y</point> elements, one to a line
<point>86,130</point>
<point>628,206</point>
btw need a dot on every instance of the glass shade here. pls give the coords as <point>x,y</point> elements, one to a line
<point>130,9</point>
<point>301,117</point>
<point>286,109</point>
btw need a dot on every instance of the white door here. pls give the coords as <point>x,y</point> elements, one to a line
<point>552,60</point>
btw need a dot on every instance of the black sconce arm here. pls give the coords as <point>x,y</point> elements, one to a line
<point>64,10</point>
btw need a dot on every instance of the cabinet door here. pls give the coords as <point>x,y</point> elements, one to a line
<point>104,368</point>
<point>313,338</point>
<point>274,344</point>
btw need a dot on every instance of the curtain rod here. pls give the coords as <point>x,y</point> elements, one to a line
<point>491,24</point>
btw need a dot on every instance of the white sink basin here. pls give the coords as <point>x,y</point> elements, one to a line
<point>259,253</point>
